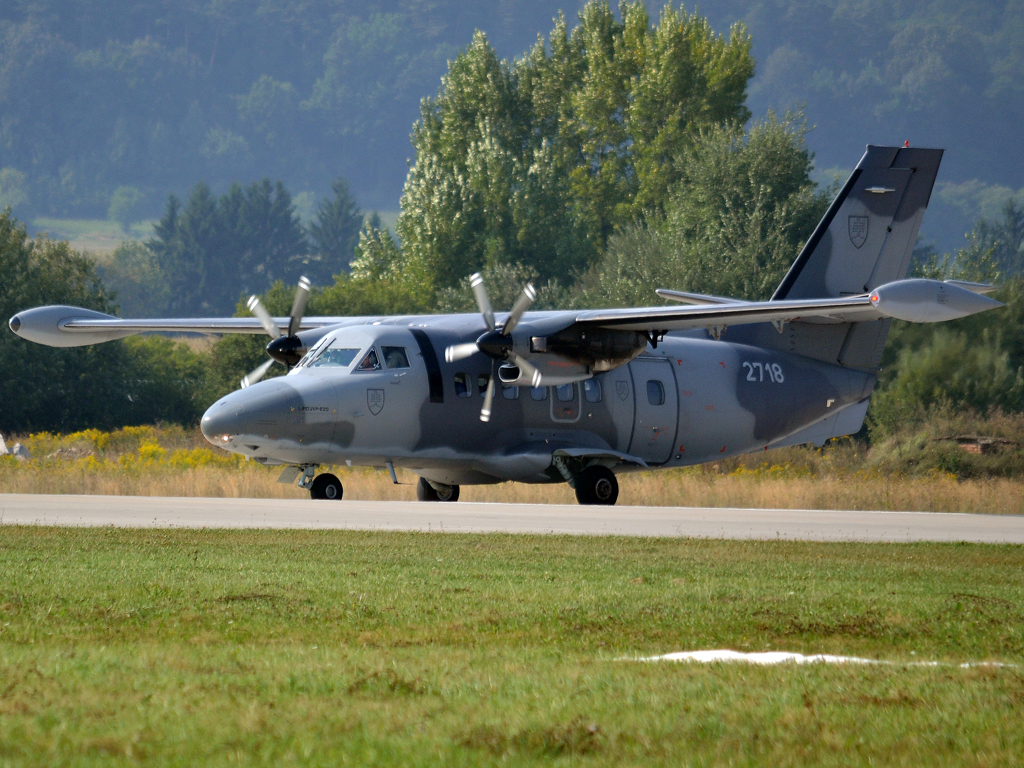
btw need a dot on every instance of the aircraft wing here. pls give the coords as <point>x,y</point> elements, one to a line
<point>709,315</point>
<point>918,301</point>
<point>62,326</point>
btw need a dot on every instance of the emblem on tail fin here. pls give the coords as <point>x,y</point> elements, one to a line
<point>858,230</point>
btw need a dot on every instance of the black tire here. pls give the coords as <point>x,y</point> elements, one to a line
<point>597,485</point>
<point>426,492</point>
<point>326,486</point>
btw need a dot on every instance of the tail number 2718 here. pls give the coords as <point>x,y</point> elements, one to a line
<point>761,371</point>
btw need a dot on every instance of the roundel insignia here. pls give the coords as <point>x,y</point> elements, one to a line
<point>858,230</point>
<point>623,389</point>
<point>375,400</point>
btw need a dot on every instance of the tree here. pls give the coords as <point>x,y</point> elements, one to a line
<point>741,208</point>
<point>45,388</point>
<point>737,214</point>
<point>136,279</point>
<point>1004,238</point>
<point>537,162</point>
<point>12,188</point>
<point>125,206</point>
<point>335,234</point>
<point>215,249</point>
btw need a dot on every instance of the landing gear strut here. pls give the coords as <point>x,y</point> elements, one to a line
<point>426,492</point>
<point>597,485</point>
<point>326,486</point>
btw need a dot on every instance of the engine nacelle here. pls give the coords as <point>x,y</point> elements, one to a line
<point>599,349</point>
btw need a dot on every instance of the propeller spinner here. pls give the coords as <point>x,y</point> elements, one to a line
<point>496,343</point>
<point>284,348</point>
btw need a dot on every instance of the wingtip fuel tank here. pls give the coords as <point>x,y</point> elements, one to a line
<point>45,325</point>
<point>929,301</point>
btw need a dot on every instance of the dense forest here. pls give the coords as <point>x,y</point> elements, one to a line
<point>620,152</point>
<point>151,97</point>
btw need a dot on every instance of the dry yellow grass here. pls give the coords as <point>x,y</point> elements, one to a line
<point>691,488</point>
<point>146,461</point>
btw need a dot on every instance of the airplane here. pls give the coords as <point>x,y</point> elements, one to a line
<point>579,396</point>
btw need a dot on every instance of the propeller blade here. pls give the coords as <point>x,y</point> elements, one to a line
<point>482,300</point>
<point>458,352</point>
<point>536,379</point>
<point>526,298</point>
<point>256,307</point>
<point>485,412</point>
<point>253,376</point>
<point>298,306</point>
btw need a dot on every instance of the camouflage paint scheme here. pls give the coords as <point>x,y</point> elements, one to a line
<point>719,399</point>
<point>714,406</point>
<point>715,379</point>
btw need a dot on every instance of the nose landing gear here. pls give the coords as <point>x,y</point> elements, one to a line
<point>427,492</point>
<point>326,486</point>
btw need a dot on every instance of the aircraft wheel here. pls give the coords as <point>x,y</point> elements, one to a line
<point>426,492</point>
<point>597,485</point>
<point>326,486</point>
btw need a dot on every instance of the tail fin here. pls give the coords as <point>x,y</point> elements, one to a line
<point>866,239</point>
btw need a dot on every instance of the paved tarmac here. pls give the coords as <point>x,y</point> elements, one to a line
<point>463,517</point>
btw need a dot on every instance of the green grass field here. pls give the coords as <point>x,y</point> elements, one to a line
<point>100,237</point>
<point>350,648</point>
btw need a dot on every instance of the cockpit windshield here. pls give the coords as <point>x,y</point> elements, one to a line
<point>334,354</point>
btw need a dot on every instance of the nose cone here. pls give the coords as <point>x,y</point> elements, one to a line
<point>223,419</point>
<point>266,408</point>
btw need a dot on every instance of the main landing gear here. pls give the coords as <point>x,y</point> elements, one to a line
<point>326,486</point>
<point>596,485</point>
<point>427,492</point>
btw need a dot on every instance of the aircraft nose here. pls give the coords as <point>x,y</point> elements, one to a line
<point>223,419</point>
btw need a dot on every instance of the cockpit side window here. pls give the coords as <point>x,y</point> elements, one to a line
<point>395,357</point>
<point>370,362</point>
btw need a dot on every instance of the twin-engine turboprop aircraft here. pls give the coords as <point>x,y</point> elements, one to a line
<point>577,396</point>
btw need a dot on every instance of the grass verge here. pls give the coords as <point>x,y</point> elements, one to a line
<point>330,648</point>
<point>171,461</point>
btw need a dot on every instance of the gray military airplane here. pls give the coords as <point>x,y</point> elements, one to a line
<point>578,396</point>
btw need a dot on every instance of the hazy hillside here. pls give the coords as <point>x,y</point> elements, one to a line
<point>158,94</point>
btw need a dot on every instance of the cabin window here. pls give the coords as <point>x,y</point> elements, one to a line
<point>592,389</point>
<point>334,356</point>
<point>462,388</point>
<point>565,406</point>
<point>539,393</point>
<point>370,362</point>
<point>566,393</point>
<point>395,357</point>
<point>510,393</point>
<point>481,383</point>
<point>655,392</point>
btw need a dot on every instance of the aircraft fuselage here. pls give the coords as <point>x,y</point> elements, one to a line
<point>691,400</point>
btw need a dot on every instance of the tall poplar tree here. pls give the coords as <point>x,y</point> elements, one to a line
<point>536,162</point>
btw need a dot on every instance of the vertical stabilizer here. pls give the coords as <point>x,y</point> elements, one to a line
<point>866,239</point>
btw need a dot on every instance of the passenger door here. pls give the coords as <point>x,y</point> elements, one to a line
<point>657,409</point>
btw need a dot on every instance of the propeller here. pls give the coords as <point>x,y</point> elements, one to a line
<point>496,343</point>
<point>285,346</point>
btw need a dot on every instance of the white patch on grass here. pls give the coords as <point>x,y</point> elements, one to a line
<point>783,657</point>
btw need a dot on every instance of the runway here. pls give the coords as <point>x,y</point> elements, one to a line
<point>809,525</point>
